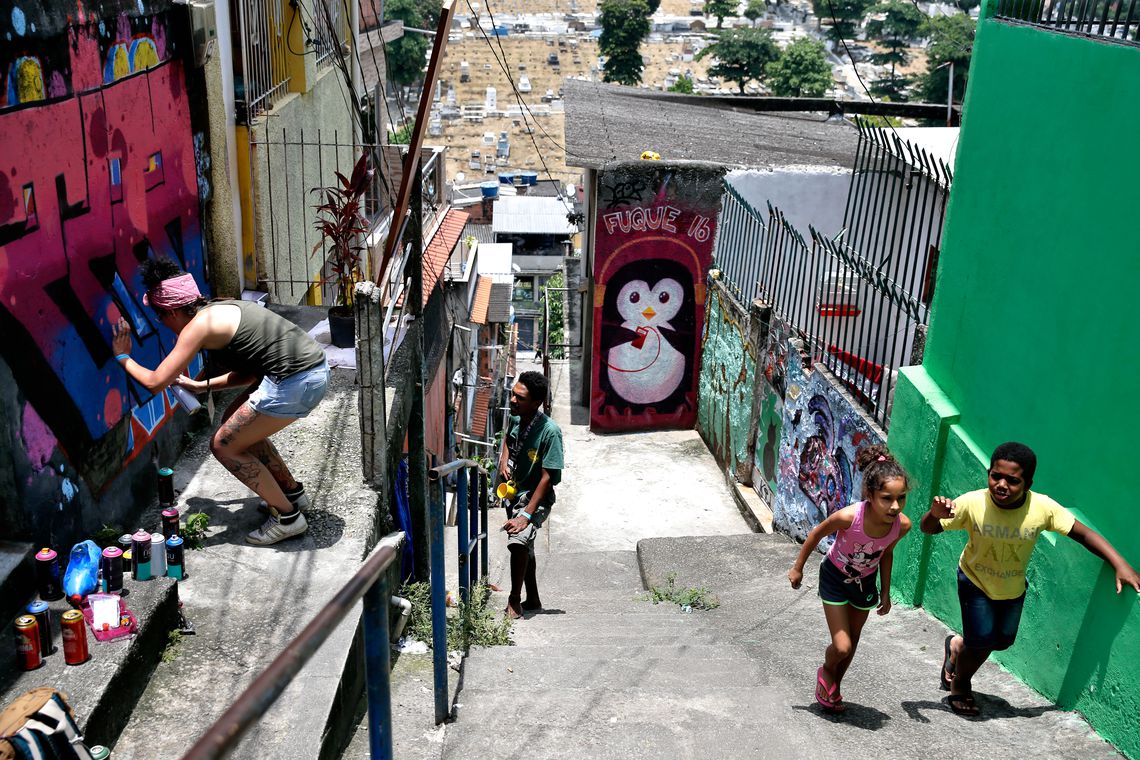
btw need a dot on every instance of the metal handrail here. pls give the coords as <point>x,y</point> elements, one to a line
<point>472,536</point>
<point>369,583</point>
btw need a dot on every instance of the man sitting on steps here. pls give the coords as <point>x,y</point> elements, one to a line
<point>532,459</point>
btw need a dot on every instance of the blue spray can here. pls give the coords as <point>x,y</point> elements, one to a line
<point>175,558</point>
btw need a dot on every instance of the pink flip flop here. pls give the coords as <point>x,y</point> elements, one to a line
<point>833,701</point>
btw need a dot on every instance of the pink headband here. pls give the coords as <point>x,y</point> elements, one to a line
<point>173,293</point>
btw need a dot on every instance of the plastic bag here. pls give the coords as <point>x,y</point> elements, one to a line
<point>82,574</point>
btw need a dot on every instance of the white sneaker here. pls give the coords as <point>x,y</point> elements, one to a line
<point>273,530</point>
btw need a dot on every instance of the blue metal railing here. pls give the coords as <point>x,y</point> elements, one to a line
<point>471,485</point>
<point>370,583</point>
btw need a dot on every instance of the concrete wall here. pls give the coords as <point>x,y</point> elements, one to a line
<point>97,173</point>
<point>1030,340</point>
<point>728,376</point>
<point>284,176</point>
<point>814,197</point>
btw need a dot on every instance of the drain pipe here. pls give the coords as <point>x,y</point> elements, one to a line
<point>405,613</point>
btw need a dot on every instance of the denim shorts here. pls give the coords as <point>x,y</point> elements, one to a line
<point>293,396</point>
<point>987,623</point>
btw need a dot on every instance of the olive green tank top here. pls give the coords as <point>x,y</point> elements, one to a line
<point>267,345</point>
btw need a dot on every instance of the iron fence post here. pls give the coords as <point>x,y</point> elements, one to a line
<point>377,665</point>
<point>438,601</point>
<point>463,540</point>
<point>483,497</point>
<point>473,536</point>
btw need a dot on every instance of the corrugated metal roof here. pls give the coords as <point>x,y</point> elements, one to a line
<point>482,301</point>
<point>499,309</point>
<point>534,215</point>
<point>481,232</point>
<point>610,123</point>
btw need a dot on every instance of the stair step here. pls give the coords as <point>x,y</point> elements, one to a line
<point>621,723</point>
<point>664,671</point>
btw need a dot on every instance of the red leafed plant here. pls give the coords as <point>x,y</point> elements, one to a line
<point>341,222</point>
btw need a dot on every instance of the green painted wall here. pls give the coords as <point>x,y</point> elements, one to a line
<point>728,374</point>
<point>1032,339</point>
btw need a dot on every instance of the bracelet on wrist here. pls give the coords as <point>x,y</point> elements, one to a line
<point>120,357</point>
<point>524,513</point>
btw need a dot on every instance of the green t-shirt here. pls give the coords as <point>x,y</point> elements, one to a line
<point>542,450</point>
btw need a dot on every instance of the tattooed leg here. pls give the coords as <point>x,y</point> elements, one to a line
<point>232,444</point>
<point>267,454</point>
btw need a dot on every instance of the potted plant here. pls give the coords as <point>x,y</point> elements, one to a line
<point>341,222</point>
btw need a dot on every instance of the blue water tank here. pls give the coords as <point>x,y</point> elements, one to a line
<point>528,179</point>
<point>507,178</point>
<point>490,189</point>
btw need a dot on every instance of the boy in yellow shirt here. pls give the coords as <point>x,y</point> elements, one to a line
<point>1004,521</point>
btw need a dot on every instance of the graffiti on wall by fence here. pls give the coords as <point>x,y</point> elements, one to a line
<point>95,177</point>
<point>772,361</point>
<point>822,430</point>
<point>653,248</point>
<point>728,372</point>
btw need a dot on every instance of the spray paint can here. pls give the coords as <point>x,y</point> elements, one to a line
<point>28,643</point>
<point>49,580</point>
<point>39,610</point>
<point>157,555</point>
<point>73,631</point>
<point>140,555</point>
<point>169,522</point>
<point>112,567</point>
<point>175,558</point>
<point>166,487</point>
<point>125,542</point>
<point>99,752</point>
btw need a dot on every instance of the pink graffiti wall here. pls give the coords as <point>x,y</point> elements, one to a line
<point>652,251</point>
<point>97,173</point>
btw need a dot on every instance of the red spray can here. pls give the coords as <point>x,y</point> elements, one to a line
<point>28,643</point>
<point>73,630</point>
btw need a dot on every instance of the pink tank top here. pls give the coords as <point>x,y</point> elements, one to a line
<point>855,553</point>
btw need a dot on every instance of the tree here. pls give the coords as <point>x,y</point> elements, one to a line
<point>403,135</point>
<point>843,16</point>
<point>720,9</point>
<point>900,22</point>
<point>755,9</point>
<point>742,55</point>
<point>625,24</point>
<point>557,324</point>
<point>801,71</point>
<point>684,84</point>
<point>405,61</point>
<point>951,39</point>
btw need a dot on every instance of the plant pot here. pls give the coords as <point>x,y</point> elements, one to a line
<point>342,326</point>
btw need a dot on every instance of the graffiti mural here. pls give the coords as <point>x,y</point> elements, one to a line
<point>727,378</point>
<point>821,431</point>
<point>97,173</point>
<point>771,386</point>
<point>653,248</point>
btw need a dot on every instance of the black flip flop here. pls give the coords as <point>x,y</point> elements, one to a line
<point>947,666</point>
<point>964,705</point>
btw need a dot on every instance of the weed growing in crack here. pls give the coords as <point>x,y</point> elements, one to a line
<point>699,598</point>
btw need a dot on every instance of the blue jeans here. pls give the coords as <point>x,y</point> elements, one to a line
<point>293,396</point>
<point>987,623</point>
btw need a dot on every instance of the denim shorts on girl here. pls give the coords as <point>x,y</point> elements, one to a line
<point>293,396</point>
<point>836,588</point>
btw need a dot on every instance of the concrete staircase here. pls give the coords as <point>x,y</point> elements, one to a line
<point>604,674</point>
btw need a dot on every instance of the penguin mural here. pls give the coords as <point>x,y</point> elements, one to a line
<point>647,369</point>
<point>649,313</point>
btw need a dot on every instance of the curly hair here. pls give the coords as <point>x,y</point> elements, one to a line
<point>878,466</point>
<point>1019,454</point>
